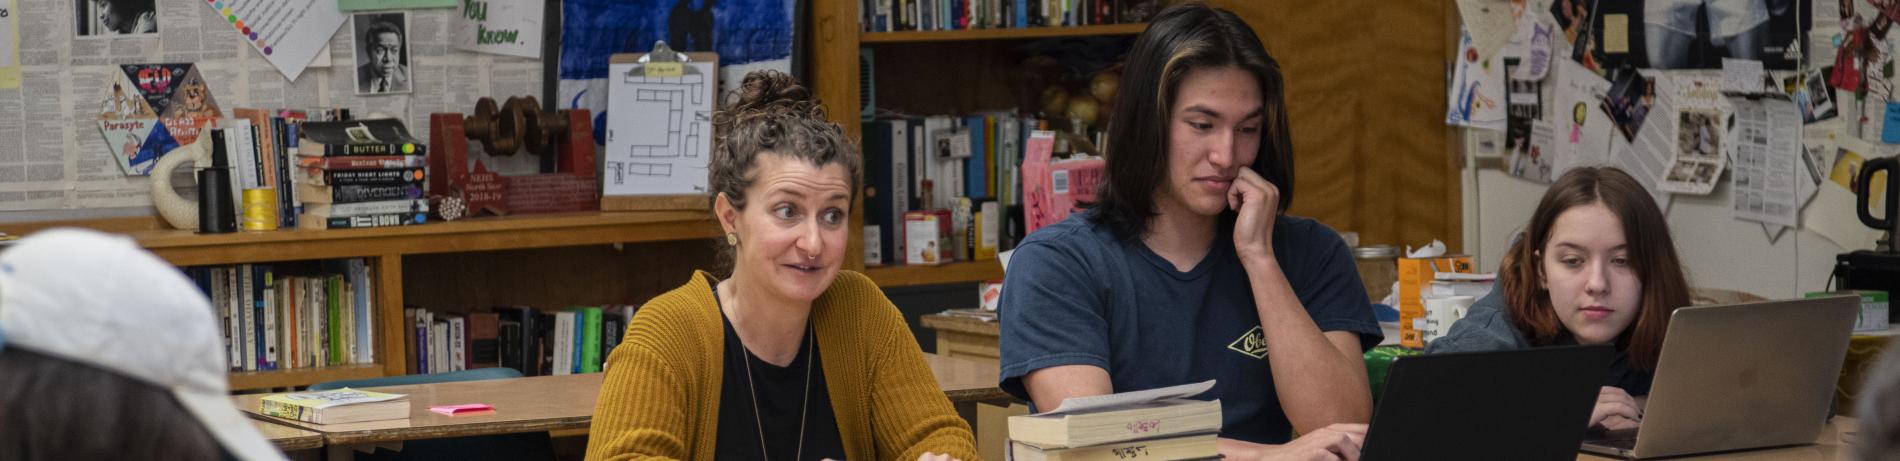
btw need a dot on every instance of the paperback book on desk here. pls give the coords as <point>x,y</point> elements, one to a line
<point>336,406</point>
<point>1152,424</point>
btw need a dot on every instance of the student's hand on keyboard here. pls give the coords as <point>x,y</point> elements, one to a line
<point>1335,442</point>
<point>1615,410</point>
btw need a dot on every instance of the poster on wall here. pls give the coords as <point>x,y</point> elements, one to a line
<point>1684,34</point>
<point>748,35</point>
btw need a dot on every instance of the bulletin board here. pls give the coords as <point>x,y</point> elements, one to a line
<point>55,163</point>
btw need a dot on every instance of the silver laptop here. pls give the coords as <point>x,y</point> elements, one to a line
<point>1740,376</point>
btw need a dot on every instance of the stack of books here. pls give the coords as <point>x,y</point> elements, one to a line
<point>360,173</point>
<point>336,406</point>
<point>1160,424</point>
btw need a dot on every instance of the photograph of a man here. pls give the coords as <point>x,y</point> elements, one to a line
<point>382,53</point>
<point>105,18</point>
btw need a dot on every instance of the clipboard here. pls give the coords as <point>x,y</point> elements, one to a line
<point>659,130</point>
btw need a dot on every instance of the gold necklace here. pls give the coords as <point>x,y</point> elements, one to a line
<point>803,406</point>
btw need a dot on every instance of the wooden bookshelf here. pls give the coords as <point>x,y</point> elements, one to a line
<point>303,376</point>
<point>186,248</point>
<point>387,249</point>
<point>1014,33</point>
<point>957,272</point>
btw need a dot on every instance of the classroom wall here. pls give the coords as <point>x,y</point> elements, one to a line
<point>1717,251</point>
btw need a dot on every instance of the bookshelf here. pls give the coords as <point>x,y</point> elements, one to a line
<point>1000,34</point>
<point>499,241</point>
<point>910,76</point>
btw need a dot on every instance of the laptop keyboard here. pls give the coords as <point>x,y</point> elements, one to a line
<point>1621,440</point>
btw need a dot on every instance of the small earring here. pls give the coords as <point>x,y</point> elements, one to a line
<point>732,238</point>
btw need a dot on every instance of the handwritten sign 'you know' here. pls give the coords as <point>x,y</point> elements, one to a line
<point>506,27</point>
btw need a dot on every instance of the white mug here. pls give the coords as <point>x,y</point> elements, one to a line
<point>1440,313</point>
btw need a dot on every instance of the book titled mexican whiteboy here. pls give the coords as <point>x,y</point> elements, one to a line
<point>337,406</point>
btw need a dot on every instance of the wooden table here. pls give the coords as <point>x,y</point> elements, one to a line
<point>1831,445</point>
<point>288,438</point>
<point>965,337</point>
<point>549,403</point>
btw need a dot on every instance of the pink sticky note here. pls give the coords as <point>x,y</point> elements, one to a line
<point>453,410</point>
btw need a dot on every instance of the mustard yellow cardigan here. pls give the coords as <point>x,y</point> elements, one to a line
<point>661,395</point>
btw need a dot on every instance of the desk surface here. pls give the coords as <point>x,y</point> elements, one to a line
<point>1830,446</point>
<point>961,324</point>
<point>288,438</point>
<point>549,403</point>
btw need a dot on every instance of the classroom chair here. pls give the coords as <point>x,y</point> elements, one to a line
<point>527,446</point>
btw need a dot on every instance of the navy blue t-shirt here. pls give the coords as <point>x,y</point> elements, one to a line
<point>1075,295</point>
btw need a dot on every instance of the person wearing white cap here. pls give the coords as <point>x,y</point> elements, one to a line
<point>95,335</point>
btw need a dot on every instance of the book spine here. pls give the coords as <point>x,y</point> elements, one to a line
<point>377,162</point>
<point>332,304</point>
<point>374,220</point>
<point>590,345</point>
<point>287,297</point>
<point>365,305</point>
<point>563,343</point>
<point>379,177</point>
<point>268,311</point>
<point>422,341</point>
<point>291,156</point>
<point>288,411</point>
<point>286,211</point>
<point>349,319</point>
<point>375,149</point>
<point>378,207</point>
<point>458,340</point>
<point>250,321</point>
<point>349,194</point>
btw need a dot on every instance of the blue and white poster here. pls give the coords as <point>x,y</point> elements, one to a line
<point>748,35</point>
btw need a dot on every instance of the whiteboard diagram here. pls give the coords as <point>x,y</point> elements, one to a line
<point>659,130</point>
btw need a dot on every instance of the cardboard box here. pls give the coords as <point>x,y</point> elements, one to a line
<point>1874,313</point>
<point>1414,277</point>
<point>927,237</point>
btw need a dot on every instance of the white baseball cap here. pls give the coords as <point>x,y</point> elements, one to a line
<point>99,299</point>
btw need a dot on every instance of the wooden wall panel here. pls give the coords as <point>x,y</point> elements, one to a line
<point>1365,95</point>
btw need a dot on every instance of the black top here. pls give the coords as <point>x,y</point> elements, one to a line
<point>776,391</point>
<point>1487,327</point>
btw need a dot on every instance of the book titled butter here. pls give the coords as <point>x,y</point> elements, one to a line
<point>336,406</point>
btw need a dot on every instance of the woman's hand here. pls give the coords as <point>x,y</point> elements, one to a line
<point>1335,442</point>
<point>1258,203</point>
<point>1615,410</point>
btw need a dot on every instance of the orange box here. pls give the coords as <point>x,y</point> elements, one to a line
<point>1415,274</point>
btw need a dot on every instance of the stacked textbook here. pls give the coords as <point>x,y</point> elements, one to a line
<point>336,406</point>
<point>1158,424</point>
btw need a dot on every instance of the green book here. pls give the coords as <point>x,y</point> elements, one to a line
<point>590,339</point>
<point>333,305</point>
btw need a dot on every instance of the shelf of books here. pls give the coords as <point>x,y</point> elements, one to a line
<point>1013,33</point>
<point>296,323</point>
<point>475,234</point>
<point>956,272</point>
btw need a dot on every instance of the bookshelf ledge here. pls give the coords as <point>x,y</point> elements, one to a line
<point>957,272</point>
<point>302,376</point>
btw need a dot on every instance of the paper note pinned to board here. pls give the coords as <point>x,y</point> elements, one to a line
<point>287,33</point>
<point>9,44</point>
<point>1490,23</point>
<point>1616,33</point>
